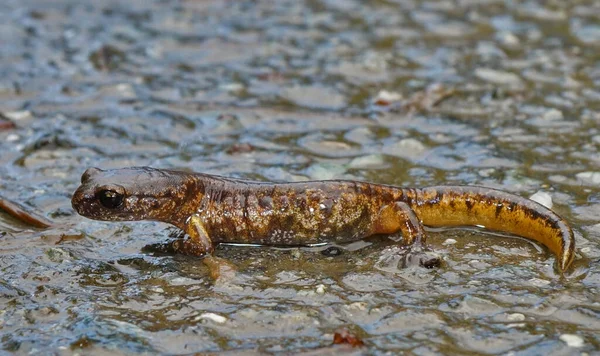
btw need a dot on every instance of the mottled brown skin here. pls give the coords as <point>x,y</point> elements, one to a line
<point>212,209</point>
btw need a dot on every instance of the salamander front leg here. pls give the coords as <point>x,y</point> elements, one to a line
<point>401,217</point>
<point>200,244</point>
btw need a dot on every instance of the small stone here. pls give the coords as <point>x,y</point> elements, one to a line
<point>572,340</point>
<point>498,77</point>
<point>539,282</point>
<point>232,87</point>
<point>213,317</point>
<point>320,289</point>
<point>553,115</point>
<point>18,115</point>
<point>385,97</point>
<point>58,255</point>
<point>589,177</point>
<point>332,251</point>
<point>449,242</point>
<point>315,97</point>
<point>515,317</point>
<point>508,39</point>
<point>357,306</point>
<point>324,171</point>
<point>543,198</point>
<point>406,148</point>
<point>558,178</point>
<point>368,161</point>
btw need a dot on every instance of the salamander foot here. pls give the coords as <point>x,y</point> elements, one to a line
<point>161,248</point>
<point>179,246</point>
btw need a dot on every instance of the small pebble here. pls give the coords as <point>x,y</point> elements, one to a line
<point>332,251</point>
<point>449,242</point>
<point>18,115</point>
<point>553,115</point>
<point>572,340</point>
<point>385,97</point>
<point>369,161</point>
<point>214,317</point>
<point>498,77</point>
<point>515,317</point>
<point>406,148</point>
<point>320,289</point>
<point>232,87</point>
<point>539,282</point>
<point>509,39</point>
<point>589,177</point>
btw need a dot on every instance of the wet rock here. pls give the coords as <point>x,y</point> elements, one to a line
<point>219,319</point>
<point>408,320</point>
<point>590,178</point>
<point>366,162</point>
<point>587,33</point>
<point>107,57</point>
<point>572,340</point>
<point>325,171</point>
<point>58,255</point>
<point>408,148</point>
<point>332,251</point>
<point>316,97</point>
<point>18,115</point>
<point>498,77</point>
<point>367,282</point>
<point>508,39</point>
<point>385,98</point>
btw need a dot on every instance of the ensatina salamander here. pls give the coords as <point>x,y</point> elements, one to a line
<point>213,209</point>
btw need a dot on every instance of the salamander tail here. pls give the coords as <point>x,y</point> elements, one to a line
<point>495,210</point>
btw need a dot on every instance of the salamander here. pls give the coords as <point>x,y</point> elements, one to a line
<point>212,209</point>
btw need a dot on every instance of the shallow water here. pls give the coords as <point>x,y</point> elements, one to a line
<point>495,93</point>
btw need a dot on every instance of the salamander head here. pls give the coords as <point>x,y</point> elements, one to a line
<point>136,193</point>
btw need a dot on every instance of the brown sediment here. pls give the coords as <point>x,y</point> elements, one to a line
<point>345,337</point>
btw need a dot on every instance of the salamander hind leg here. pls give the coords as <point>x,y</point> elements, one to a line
<point>400,217</point>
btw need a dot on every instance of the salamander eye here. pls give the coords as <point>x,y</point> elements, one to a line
<point>110,199</point>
